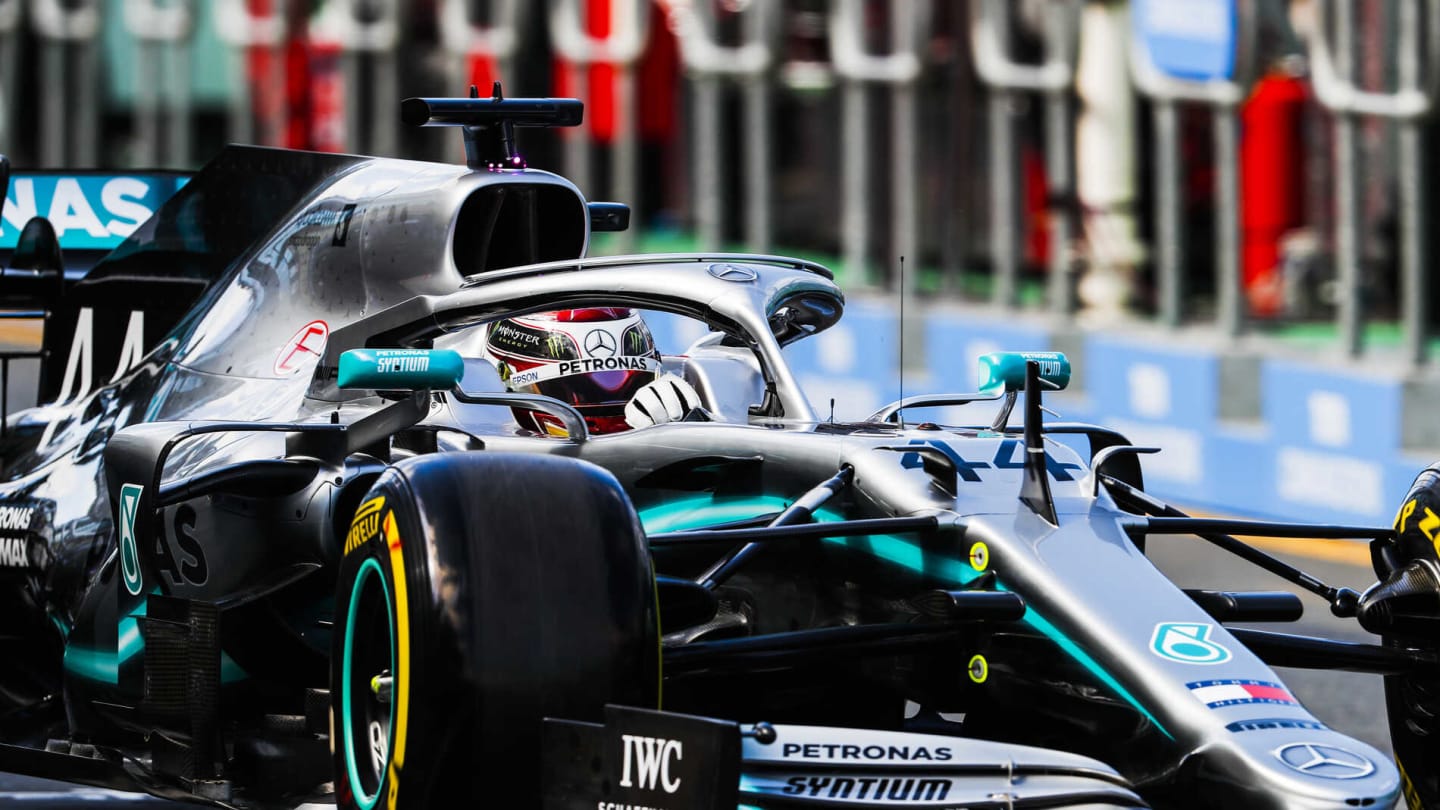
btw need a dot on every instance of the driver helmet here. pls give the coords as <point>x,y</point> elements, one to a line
<point>594,359</point>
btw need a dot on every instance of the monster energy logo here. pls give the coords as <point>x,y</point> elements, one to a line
<point>555,345</point>
<point>634,341</point>
<point>507,331</point>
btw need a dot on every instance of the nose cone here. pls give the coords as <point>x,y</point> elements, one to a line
<point>1267,765</point>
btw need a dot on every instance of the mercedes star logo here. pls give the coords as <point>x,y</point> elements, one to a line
<point>600,343</point>
<point>732,272</point>
<point>1327,761</point>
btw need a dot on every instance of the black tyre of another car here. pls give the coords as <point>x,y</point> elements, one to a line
<point>479,593</point>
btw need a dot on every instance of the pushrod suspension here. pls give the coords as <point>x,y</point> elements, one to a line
<point>1260,528</point>
<point>798,512</point>
<point>1305,652</point>
<point>803,531</point>
<point>1342,600</point>
<point>800,646</point>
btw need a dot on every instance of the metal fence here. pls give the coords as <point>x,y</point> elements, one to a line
<point>1334,75</point>
<point>1021,204</point>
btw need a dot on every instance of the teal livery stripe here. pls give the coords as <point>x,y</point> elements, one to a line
<point>695,513</point>
<point>104,665</point>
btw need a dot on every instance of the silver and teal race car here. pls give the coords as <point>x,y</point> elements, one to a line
<point>275,538</point>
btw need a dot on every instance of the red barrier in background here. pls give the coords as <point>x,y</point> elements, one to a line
<point>308,110</point>
<point>1036,196</point>
<point>483,73</point>
<point>267,104</point>
<point>1272,159</point>
<point>658,79</point>
<point>327,96</point>
<point>601,104</point>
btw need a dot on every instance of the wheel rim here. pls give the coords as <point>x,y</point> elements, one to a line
<point>369,651</point>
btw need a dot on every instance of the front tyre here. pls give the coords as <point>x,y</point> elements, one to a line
<point>366,716</point>
<point>1404,609</point>
<point>479,593</point>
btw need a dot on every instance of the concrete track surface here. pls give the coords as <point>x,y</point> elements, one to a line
<point>1349,702</point>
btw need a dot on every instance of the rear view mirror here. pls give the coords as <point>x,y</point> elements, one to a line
<point>400,369</point>
<point>1004,372</point>
<point>609,216</point>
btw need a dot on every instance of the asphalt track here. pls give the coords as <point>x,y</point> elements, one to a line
<point>1348,702</point>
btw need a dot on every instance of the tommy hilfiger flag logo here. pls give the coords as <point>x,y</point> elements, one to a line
<point>1237,692</point>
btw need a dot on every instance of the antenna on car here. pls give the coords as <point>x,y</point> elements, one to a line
<point>488,124</point>
<point>903,296</point>
<point>1035,490</point>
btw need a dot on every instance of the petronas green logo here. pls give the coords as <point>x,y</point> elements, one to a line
<point>129,553</point>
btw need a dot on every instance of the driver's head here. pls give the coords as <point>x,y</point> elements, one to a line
<point>594,359</point>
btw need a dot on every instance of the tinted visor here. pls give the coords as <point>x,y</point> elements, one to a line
<point>597,391</point>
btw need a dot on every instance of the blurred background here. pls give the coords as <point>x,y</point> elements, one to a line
<point>1218,208</point>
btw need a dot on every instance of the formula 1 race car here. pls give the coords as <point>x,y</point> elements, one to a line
<point>297,547</point>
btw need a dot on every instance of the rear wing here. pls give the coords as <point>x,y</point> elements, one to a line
<point>90,212</point>
<point>55,227</point>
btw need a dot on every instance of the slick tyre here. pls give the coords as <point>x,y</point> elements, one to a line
<point>479,593</point>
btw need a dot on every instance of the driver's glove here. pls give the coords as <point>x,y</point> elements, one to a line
<point>667,399</point>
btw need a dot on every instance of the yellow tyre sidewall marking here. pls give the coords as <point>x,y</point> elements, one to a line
<point>401,693</point>
<point>1405,512</point>
<point>1407,788</point>
<point>1428,525</point>
<point>365,525</point>
<point>659,643</point>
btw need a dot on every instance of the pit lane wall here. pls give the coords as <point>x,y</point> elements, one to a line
<point>1254,430</point>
